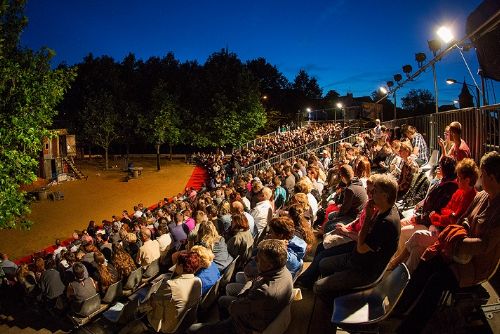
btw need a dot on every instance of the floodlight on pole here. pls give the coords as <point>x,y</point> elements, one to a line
<point>383,90</point>
<point>445,34</point>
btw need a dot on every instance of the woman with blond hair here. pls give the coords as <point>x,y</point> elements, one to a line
<point>208,272</point>
<point>209,237</point>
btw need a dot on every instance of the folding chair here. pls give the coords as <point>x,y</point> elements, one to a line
<point>365,310</point>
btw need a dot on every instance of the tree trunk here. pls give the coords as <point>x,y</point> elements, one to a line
<point>158,156</point>
<point>106,157</point>
<point>90,151</point>
<point>127,152</point>
<point>170,147</point>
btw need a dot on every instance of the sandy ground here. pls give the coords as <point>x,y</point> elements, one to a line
<point>103,194</point>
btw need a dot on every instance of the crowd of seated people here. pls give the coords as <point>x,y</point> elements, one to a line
<point>349,196</point>
<point>221,168</point>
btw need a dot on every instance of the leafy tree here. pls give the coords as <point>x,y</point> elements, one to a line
<point>29,92</point>
<point>227,110</point>
<point>307,85</point>
<point>270,79</point>
<point>162,124</point>
<point>418,102</point>
<point>102,121</point>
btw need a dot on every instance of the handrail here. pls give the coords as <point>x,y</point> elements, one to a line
<point>290,154</point>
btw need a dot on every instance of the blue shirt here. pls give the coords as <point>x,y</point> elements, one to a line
<point>208,277</point>
<point>296,252</point>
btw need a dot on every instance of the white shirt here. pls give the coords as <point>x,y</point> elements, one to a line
<point>251,223</point>
<point>261,214</point>
<point>313,203</point>
<point>165,240</point>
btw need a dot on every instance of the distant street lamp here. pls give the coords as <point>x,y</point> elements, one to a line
<point>341,107</point>
<point>309,113</point>
<point>386,92</point>
<point>453,81</point>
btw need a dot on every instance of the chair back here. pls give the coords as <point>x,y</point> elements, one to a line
<point>89,306</point>
<point>366,308</point>
<point>392,286</point>
<point>228,273</point>
<point>210,297</point>
<point>114,292</point>
<point>186,320</point>
<point>133,279</point>
<point>152,270</point>
<point>151,291</point>
<point>433,161</point>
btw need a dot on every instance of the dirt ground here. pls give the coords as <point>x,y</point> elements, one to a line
<point>102,195</point>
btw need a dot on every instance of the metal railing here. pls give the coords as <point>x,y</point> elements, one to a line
<point>299,152</point>
<point>261,138</point>
<point>480,127</point>
<point>480,130</point>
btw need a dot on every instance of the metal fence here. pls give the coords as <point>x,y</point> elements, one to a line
<point>299,152</point>
<point>480,127</point>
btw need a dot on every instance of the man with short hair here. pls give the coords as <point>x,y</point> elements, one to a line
<point>377,130</point>
<point>261,300</point>
<point>58,250</point>
<point>149,251</point>
<point>377,242</point>
<point>263,212</point>
<point>420,150</point>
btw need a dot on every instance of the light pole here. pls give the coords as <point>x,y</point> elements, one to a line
<point>453,81</point>
<point>386,92</point>
<point>309,113</point>
<point>340,106</point>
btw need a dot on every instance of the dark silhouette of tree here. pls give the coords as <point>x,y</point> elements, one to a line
<point>270,79</point>
<point>162,124</point>
<point>102,121</point>
<point>29,92</point>
<point>228,111</point>
<point>418,102</point>
<point>307,86</point>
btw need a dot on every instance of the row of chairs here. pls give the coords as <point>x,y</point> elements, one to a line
<point>94,305</point>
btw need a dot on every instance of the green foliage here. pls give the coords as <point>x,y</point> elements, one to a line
<point>29,92</point>
<point>418,101</point>
<point>162,124</point>
<point>101,120</point>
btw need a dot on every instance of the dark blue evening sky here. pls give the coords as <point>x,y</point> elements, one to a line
<point>349,46</point>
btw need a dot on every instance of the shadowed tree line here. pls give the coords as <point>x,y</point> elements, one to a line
<point>162,101</point>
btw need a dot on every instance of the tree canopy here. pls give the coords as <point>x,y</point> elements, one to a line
<point>418,102</point>
<point>30,90</point>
